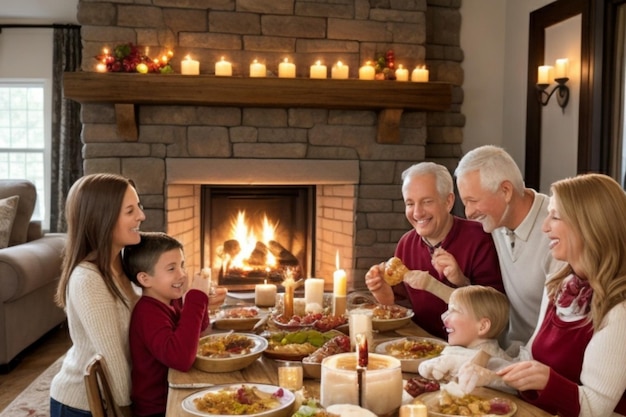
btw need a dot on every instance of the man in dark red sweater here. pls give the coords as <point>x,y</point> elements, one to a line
<point>442,251</point>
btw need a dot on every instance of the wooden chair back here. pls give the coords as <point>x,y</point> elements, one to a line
<point>99,394</point>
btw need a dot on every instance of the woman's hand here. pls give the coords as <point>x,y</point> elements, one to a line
<point>527,375</point>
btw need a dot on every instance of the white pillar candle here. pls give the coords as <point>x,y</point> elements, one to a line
<point>189,66</point>
<point>360,322</point>
<point>339,71</point>
<point>402,74</point>
<point>543,74</point>
<point>419,75</point>
<point>562,68</point>
<point>318,70</point>
<point>286,69</point>
<point>223,68</point>
<point>367,72</point>
<point>257,69</point>
<point>265,295</point>
<point>314,294</point>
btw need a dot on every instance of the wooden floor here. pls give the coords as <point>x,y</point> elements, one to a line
<point>35,360</point>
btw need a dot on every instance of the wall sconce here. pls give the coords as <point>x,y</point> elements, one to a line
<point>544,76</point>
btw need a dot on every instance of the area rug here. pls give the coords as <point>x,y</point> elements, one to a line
<point>34,401</point>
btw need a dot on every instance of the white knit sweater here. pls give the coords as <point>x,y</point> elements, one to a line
<point>98,324</point>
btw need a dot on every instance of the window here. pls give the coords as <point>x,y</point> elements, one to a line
<point>23,138</point>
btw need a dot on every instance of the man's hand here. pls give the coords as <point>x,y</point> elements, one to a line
<point>445,264</point>
<point>527,375</point>
<point>377,285</point>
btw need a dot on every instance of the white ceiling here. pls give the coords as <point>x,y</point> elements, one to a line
<point>38,11</point>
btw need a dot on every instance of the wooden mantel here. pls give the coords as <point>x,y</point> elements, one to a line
<point>126,91</point>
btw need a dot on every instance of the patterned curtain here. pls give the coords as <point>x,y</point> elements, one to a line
<point>67,163</point>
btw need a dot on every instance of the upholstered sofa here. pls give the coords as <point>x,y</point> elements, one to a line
<point>30,267</point>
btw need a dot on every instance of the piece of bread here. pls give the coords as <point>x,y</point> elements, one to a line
<point>394,271</point>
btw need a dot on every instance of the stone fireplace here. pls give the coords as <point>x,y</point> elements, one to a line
<point>180,147</point>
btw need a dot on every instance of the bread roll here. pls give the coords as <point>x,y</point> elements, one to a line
<point>394,271</point>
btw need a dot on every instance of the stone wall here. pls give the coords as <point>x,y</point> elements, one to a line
<point>353,31</point>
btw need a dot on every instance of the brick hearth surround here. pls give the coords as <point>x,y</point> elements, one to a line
<point>360,209</point>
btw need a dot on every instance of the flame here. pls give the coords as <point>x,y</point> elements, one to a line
<point>248,238</point>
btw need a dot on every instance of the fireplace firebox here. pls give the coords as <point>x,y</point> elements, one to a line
<point>253,234</point>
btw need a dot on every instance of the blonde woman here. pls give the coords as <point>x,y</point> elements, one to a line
<point>579,346</point>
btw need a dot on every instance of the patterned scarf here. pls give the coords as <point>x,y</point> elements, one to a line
<point>573,299</point>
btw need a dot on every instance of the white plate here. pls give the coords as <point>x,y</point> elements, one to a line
<point>283,410</point>
<point>408,365</point>
<point>431,399</point>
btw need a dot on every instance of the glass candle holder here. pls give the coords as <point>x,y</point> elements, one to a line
<point>290,375</point>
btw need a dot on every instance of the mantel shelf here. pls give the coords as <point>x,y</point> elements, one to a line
<point>126,91</point>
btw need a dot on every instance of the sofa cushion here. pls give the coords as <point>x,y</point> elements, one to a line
<point>8,209</point>
<point>28,197</point>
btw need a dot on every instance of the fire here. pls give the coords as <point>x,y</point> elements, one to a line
<point>248,236</point>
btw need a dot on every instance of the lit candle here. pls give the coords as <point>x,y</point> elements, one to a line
<point>314,295</point>
<point>101,67</point>
<point>367,72</point>
<point>189,66</point>
<point>286,69</point>
<point>290,375</point>
<point>420,75</point>
<point>318,70</point>
<point>402,74</point>
<point>561,69</point>
<point>290,286</point>
<point>543,74</point>
<point>413,410</point>
<point>257,69</point>
<point>223,68</point>
<point>339,289</point>
<point>265,295</point>
<point>339,71</point>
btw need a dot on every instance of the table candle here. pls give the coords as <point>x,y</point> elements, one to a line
<point>318,70</point>
<point>101,67</point>
<point>314,294</point>
<point>402,74</point>
<point>290,375</point>
<point>189,66</point>
<point>382,382</point>
<point>543,74</point>
<point>257,69</point>
<point>367,72</point>
<point>339,289</point>
<point>413,410</point>
<point>286,69</point>
<point>360,322</point>
<point>265,295</point>
<point>339,71</point>
<point>223,68</point>
<point>561,69</point>
<point>420,75</point>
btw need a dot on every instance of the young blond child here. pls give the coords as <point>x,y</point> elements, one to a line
<point>475,318</point>
<point>164,331</point>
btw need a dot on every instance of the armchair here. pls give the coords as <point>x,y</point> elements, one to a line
<point>30,267</point>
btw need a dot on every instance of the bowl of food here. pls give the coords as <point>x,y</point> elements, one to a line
<point>411,350</point>
<point>238,318</point>
<point>312,364</point>
<point>386,318</point>
<point>228,352</point>
<point>479,402</point>
<point>257,400</point>
<point>294,346</point>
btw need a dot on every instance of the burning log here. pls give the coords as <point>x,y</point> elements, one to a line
<point>259,254</point>
<point>283,256</point>
<point>232,247</point>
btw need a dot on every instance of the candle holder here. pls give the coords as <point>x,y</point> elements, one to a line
<point>561,90</point>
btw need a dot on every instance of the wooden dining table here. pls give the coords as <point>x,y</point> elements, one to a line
<point>265,371</point>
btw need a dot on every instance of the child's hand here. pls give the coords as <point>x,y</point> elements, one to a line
<point>200,282</point>
<point>217,297</point>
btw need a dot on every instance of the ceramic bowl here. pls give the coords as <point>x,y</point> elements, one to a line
<point>234,362</point>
